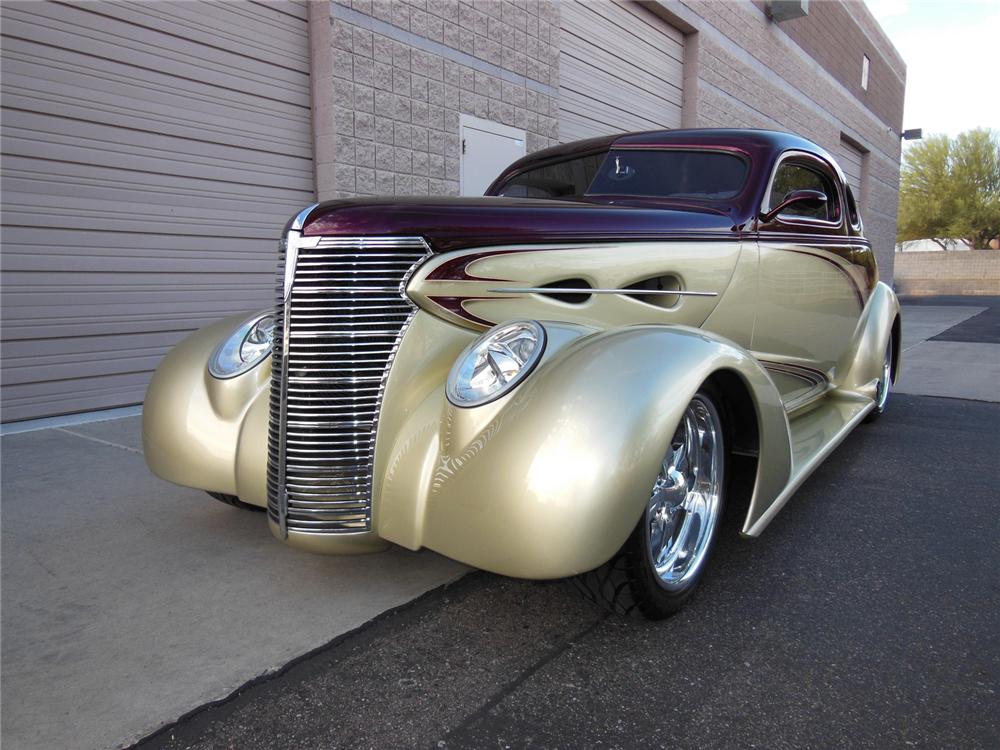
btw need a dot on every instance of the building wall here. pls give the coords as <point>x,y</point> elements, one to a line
<point>400,72</point>
<point>381,85</point>
<point>838,35</point>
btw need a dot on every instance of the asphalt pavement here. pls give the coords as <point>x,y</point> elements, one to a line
<point>866,616</point>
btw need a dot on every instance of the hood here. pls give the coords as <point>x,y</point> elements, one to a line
<point>459,223</point>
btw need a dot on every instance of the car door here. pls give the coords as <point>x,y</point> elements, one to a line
<point>812,287</point>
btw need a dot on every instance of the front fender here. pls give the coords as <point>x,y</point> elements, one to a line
<point>202,432</point>
<point>550,480</point>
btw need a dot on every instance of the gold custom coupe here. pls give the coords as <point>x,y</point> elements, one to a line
<point>558,379</point>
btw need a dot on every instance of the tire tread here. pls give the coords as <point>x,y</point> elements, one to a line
<point>609,586</point>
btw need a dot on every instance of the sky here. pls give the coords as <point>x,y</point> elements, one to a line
<point>952,54</point>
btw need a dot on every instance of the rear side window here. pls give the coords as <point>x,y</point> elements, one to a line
<point>792,176</point>
<point>852,208</point>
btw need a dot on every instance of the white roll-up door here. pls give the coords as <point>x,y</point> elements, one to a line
<point>620,69</point>
<point>152,152</point>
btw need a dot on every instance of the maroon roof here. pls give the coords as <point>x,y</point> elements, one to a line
<point>762,147</point>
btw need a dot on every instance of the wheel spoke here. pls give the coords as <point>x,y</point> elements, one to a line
<point>656,531</point>
<point>677,550</point>
<point>678,459</point>
<point>692,450</point>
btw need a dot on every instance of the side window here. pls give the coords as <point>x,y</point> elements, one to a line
<point>793,176</point>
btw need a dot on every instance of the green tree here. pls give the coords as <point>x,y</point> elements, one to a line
<point>950,188</point>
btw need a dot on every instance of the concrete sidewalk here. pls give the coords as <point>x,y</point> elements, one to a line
<point>951,350</point>
<point>128,602</point>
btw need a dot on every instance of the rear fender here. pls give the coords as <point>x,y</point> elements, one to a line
<point>861,366</point>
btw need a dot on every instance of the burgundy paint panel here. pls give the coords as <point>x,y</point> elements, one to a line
<point>458,223</point>
<point>456,306</point>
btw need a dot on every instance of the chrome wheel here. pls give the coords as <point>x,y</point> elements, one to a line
<point>686,500</point>
<point>885,382</point>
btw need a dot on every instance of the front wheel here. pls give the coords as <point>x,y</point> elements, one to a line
<point>664,559</point>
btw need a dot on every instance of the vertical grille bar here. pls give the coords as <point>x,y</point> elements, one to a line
<point>340,315</point>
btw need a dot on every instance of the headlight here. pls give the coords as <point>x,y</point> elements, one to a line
<point>495,362</point>
<point>245,348</point>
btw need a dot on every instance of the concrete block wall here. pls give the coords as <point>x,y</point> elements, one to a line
<point>955,272</point>
<point>400,73</point>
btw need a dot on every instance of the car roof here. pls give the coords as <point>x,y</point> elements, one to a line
<point>763,147</point>
<point>758,143</point>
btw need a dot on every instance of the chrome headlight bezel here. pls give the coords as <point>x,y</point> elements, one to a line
<point>459,388</point>
<point>231,358</point>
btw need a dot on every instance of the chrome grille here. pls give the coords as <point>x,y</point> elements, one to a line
<point>346,314</point>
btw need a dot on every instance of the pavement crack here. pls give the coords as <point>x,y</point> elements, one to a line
<point>99,440</point>
<point>523,677</point>
<point>33,554</point>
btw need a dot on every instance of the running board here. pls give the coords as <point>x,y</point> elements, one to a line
<point>814,436</point>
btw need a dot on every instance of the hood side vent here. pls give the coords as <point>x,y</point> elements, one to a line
<point>660,284</point>
<point>574,294</point>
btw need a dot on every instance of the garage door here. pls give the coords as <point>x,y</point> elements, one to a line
<point>151,154</point>
<point>620,69</point>
<point>850,161</point>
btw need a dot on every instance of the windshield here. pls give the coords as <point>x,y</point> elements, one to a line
<point>658,173</point>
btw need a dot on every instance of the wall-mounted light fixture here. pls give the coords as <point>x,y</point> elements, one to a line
<point>913,134</point>
<point>786,10</point>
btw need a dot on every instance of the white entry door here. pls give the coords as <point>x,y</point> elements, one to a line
<point>487,148</point>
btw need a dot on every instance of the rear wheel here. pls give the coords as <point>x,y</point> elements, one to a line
<point>658,569</point>
<point>884,386</point>
<point>234,501</point>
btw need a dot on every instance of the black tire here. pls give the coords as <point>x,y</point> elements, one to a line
<point>628,583</point>
<point>235,502</point>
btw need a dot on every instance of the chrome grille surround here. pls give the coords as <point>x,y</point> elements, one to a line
<point>340,315</point>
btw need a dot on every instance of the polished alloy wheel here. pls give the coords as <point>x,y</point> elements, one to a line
<point>885,382</point>
<point>686,499</point>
